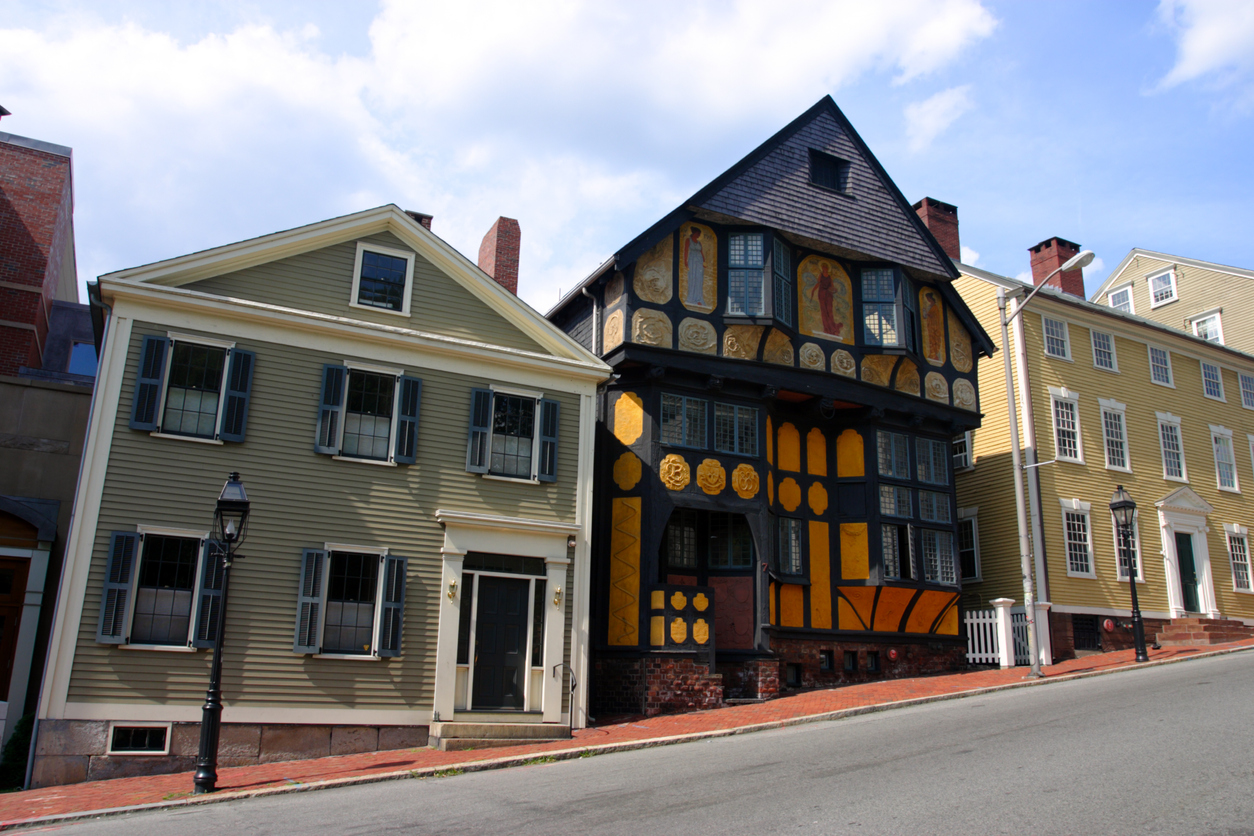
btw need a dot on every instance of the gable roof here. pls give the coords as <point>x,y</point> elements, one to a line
<point>1115,277</point>
<point>187,269</point>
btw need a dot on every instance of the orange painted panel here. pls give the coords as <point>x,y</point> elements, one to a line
<point>850,460</point>
<point>789,448</point>
<point>949,622</point>
<point>848,619</point>
<point>792,605</point>
<point>820,577</point>
<point>816,453</point>
<point>929,605</point>
<point>790,494</point>
<point>854,555</point>
<point>861,600</point>
<point>890,607</point>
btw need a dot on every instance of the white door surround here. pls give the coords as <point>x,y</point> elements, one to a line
<point>1184,512</point>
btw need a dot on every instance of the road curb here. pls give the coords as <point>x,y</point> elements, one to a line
<point>592,750</point>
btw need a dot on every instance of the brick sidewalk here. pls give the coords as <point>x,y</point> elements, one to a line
<point>57,803</point>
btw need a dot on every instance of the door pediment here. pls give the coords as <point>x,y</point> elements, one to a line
<point>1184,500</point>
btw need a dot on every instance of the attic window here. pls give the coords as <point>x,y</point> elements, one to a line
<point>383,279</point>
<point>829,172</point>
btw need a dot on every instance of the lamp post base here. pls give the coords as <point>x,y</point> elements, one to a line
<point>206,778</point>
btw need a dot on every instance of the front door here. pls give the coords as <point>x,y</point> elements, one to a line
<point>12,594</point>
<point>1188,572</point>
<point>501,657</point>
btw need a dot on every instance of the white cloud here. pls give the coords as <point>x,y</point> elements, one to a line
<point>927,119</point>
<point>1024,276</point>
<point>969,256</point>
<point>1095,268</point>
<point>1214,45</point>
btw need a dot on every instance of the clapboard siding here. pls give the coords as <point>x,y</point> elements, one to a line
<point>322,281</point>
<point>300,499</point>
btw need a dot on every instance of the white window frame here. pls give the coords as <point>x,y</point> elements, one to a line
<point>970,515</point>
<point>1218,432</point>
<point>382,552</point>
<point>1076,506</point>
<point>139,724</point>
<point>1131,298</point>
<point>1114,358</point>
<point>1066,337</point>
<point>538,397</point>
<point>1168,418</point>
<point>1136,544</point>
<point>162,531</point>
<point>1149,286</point>
<point>357,366</point>
<point>1220,374</point>
<point>1246,383</point>
<point>1068,396</point>
<point>1237,530</point>
<point>175,338</point>
<point>1170,382</point>
<point>965,461</point>
<point>1215,314</point>
<point>407,294</point>
<point>1114,407</point>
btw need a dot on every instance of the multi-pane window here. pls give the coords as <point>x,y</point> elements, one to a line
<point>969,548</point>
<point>681,539</point>
<point>745,265</point>
<point>1209,328</point>
<point>1121,299</point>
<point>879,307</point>
<point>352,602</point>
<point>164,590</point>
<point>1104,351</point>
<point>723,540</point>
<point>1162,288</point>
<point>781,268</point>
<point>382,281</point>
<point>1247,391</point>
<point>1173,448</point>
<point>938,556</point>
<point>1160,366</point>
<point>1225,460</point>
<point>513,435</point>
<point>1126,546</point>
<point>790,546</point>
<point>895,551</point>
<point>193,390</point>
<point>1239,554</point>
<point>368,415</point>
<point>1056,341</point>
<point>731,542</point>
<point>349,623</point>
<point>735,429</point>
<point>192,386</point>
<point>1079,552</point>
<point>934,461</point>
<point>934,506</point>
<point>894,454</point>
<point>1066,429</point>
<point>895,501</point>
<point>684,421</point>
<point>1212,381</point>
<point>1115,434</point>
<point>962,451</point>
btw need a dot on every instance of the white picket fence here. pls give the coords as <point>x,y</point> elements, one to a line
<point>982,637</point>
<point>988,629</point>
<point>1019,626</point>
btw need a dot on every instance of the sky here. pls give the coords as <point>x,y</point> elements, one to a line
<point>194,125</point>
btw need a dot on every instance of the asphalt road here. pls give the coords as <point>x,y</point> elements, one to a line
<point>1163,750</point>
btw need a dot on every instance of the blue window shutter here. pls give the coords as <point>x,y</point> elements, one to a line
<point>330,410</point>
<point>116,594</point>
<point>209,596</point>
<point>480,430</point>
<point>393,615</point>
<point>407,421</point>
<point>550,417</point>
<point>148,380</point>
<point>309,602</point>
<point>239,384</point>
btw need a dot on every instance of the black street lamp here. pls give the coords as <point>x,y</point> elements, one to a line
<point>1123,508</point>
<point>230,524</point>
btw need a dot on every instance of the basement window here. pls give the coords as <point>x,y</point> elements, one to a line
<point>140,739</point>
<point>827,660</point>
<point>829,172</point>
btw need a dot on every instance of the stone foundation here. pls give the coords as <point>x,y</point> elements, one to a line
<point>72,751</point>
<point>654,685</point>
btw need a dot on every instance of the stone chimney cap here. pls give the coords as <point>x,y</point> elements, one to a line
<point>939,204</point>
<point>1048,241</point>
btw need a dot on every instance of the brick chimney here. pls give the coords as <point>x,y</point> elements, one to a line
<point>420,217</point>
<point>1051,254</point>
<point>498,254</point>
<point>941,219</point>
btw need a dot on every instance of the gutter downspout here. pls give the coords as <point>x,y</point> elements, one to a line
<point>596,320</point>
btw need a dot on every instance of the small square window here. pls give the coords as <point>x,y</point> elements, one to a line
<point>851,661</point>
<point>1162,288</point>
<point>735,429</point>
<point>873,661</point>
<point>1121,299</point>
<point>684,421</point>
<point>140,740</point>
<point>827,660</point>
<point>895,501</point>
<point>1209,328</point>
<point>828,171</point>
<point>934,506</point>
<point>792,675</point>
<point>383,279</point>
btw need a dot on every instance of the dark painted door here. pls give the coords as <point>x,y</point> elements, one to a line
<point>12,594</point>
<point>1188,571</point>
<point>501,643</point>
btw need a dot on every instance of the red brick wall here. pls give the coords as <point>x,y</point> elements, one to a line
<point>498,254</point>
<point>941,219</point>
<point>1051,254</point>
<point>916,658</point>
<point>654,685</point>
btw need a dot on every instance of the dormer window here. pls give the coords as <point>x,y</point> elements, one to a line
<point>889,315</point>
<point>746,263</point>
<point>383,279</point>
<point>829,172</point>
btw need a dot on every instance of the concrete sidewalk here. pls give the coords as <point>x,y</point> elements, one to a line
<point>59,804</point>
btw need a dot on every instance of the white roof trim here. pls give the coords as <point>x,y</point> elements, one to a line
<point>1173,260</point>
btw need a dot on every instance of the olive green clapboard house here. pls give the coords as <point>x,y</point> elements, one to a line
<point>417,446</point>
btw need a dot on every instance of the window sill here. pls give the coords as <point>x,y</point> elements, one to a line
<point>1059,357</point>
<point>1184,480</point>
<point>1068,460</point>
<point>1125,580</point>
<point>1119,469</point>
<point>1230,490</point>
<point>1160,383</point>
<point>1104,369</point>
<point>1243,591</point>
<point>515,479</point>
<point>192,438</point>
<point>976,579</point>
<point>966,469</point>
<point>379,462</point>
<point>1213,398</point>
<point>357,657</point>
<point>403,312</point>
<point>1090,575</point>
<point>1154,304</point>
<point>169,648</point>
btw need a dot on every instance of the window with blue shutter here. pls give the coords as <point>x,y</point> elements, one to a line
<point>550,418</point>
<point>310,601</point>
<point>392,617</point>
<point>209,596</point>
<point>239,381</point>
<point>148,380</point>
<point>115,597</point>
<point>480,430</point>
<point>407,420</point>
<point>330,409</point>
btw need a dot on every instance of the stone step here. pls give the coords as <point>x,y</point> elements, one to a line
<point>514,732</point>
<point>464,744</point>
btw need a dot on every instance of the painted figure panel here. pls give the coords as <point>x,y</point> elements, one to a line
<point>825,300</point>
<point>932,318</point>
<point>698,267</point>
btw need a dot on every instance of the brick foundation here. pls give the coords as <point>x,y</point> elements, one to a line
<point>914,658</point>
<point>654,685</point>
<point>755,679</point>
<point>1062,635</point>
<point>72,751</point>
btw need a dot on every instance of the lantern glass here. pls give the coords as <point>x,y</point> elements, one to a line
<point>231,515</point>
<point>1122,507</point>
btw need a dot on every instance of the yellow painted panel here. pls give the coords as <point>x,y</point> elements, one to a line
<point>820,576</point>
<point>679,631</point>
<point>816,453</point>
<point>860,600</point>
<point>771,596</point>
<point>854,557</point>
<point>790,494</point>
<point>627,471</point>
<point>890,607</point>
<point>701,602</point>
<point>700,631</point>
<point>817,496</point>
<point>792,605</point>
<point>624,571</point>
<point>657,630</point>
<point>628,418</point>
<point>929,605</point>
<point>679,600</point>
<point>847,618</point>
<point>770,443</point>
<point>657,600</point>
<point>789,448</point>
<point>949,623</point>
<point>850,458</point>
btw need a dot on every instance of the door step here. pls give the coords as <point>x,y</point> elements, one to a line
<point>458,736</point>
<point>1183,632</point>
